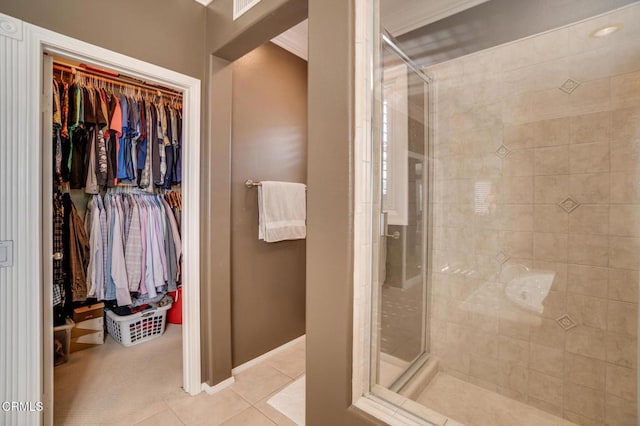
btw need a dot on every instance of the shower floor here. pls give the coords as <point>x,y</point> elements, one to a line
<point>475,406</point>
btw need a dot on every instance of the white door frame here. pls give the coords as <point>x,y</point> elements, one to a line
<point>37,41</point>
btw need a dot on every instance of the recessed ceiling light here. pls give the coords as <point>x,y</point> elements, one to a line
<point>603,32</point>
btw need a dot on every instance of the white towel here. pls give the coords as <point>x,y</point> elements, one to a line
<point>282,211</point>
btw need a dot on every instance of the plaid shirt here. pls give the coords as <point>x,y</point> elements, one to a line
<point>58,247</point>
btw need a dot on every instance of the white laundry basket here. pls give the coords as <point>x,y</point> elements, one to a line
<point>137,328</point>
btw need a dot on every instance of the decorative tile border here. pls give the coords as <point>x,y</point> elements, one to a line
<point>566,322</point>
<point>569,86</point>
<point>569,204</point>
<point>503,151</point>
<point>502,257</point>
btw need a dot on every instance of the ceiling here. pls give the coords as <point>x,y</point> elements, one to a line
<point>397,16</point>
<point>492,23</point>
<point>295,40</point>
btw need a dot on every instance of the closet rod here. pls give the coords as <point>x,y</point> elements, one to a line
<point>117,79</point>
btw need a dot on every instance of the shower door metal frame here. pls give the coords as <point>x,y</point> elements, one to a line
<point>378,222</point>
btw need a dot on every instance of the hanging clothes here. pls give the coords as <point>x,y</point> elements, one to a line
<point>143,246</point>
<point>103,137</point>
<point>127,249</point>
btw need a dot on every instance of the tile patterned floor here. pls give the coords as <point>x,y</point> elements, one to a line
<point>141,385</point>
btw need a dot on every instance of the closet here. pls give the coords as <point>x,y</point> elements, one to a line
<point>117,145</point>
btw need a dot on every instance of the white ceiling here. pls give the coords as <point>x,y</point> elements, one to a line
<point>295,40</point>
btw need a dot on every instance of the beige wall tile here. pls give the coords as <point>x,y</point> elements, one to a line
<point>622,350</point>
<point>513,350</point>
<point>549,333</point>
<point>625,124</point>
<point>545,388</point>
<point>624,253</point>
<point>519,163</point>
<point>623,285</point>
<point>620,411</point>
<point>518,190</point>
<point>558,269</point>
<point>621,382</point>
<point>590,342</point>
<point>487,241</point>
<point>591,65</point>
<point>536,77</point>
<point>485,369</point>
<point>591,96</point>
<point>550,247</point>
<point>551,132</point>
<point>624,220</point>
<point>456,360</point>
<point>551,189</point>
<point>554,407</point>
<point>581,420</point>
<point>592,188</point>
<point>625,90</point>
<point>625,156</point>
<point>589,219</point>
<point>588,249</point>
<point>624,189</point>
<point>589,157</point>
<point>623,318</point>
<point>517,244</point>
<point>587,280</point>
<point>514,329</point>
<point>588,311</point>
<point>484,344</point>
<point>550,218</point>
<point>513,376</point>
<point>546,360</point>
<point>485,323</point>
<point>519,136</point>
<point>591,128</point>
<point>588,402</point>
<point>516,217</point>
<point>552,160</point>
<point>584,371</point>
<point>554,304</point>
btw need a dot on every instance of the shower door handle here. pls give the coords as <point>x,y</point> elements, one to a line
<point>385,228</point>
<point>395,235</point>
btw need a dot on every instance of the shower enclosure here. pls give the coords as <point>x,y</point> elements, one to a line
<point>506,210</point>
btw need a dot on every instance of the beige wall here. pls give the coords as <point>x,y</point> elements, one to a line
<point>330,207</point>
<point>504,124</point>
<point>269,143</point>
<point>139,29</point>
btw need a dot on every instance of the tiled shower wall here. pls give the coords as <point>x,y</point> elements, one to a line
<point>537,171</point>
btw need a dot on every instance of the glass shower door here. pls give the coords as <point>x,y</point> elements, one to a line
<point>401,203</point>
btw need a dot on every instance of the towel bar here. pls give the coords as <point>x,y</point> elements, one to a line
<point>249,183</point>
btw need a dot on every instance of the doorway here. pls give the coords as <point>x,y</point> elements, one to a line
<point>40,73</point>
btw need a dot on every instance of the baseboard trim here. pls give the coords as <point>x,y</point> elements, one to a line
<point>251,363</point>
<point>220,386</point>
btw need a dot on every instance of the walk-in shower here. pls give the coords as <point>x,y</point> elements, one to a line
<point>506,164</point>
